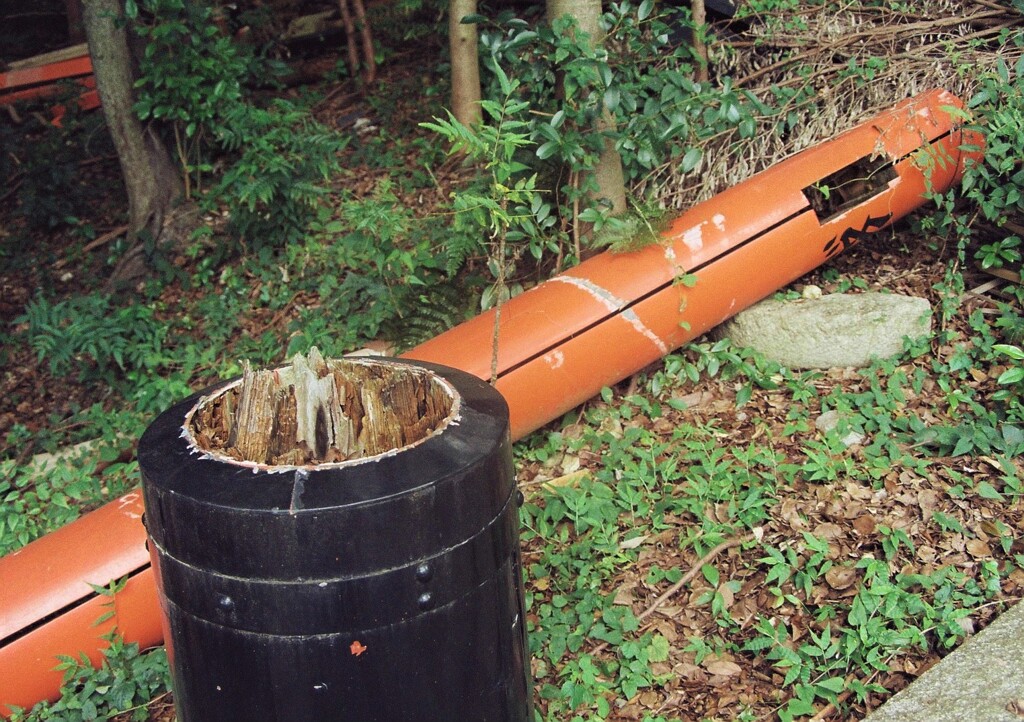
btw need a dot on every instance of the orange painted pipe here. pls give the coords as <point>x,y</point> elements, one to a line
<point>558,345</point>
<point>614,314</point>
<point>42,81</point>
<point>43,75</point>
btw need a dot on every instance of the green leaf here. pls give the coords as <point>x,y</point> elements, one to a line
<point>644,11</point>
<point>987,491</point>
<point>947,522</point>
<point>547,150</point>
<point>611,98</point>
<point>833,684</point>
<point>659,649</point>
<point>131,10</point>
<point>690,159</point>
<point>1014,352</point>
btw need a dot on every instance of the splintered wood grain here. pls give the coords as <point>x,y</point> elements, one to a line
<point>321,411</point>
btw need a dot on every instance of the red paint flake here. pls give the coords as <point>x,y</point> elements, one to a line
<point>356,648</point>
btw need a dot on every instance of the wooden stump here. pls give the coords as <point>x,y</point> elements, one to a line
<point>321,411</point>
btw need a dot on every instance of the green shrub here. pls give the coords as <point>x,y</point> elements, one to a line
<point>640,75</point>
<point>274,187</point>
<point>123,347</point>
<point>994,185</point>
<point>125,683</point>
<point>190,74</point>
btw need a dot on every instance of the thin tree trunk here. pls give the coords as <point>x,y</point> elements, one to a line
<point>462,40</point>
<point>150,176</point>
<point>370,61</point>
<point>611,184</point>
<point>700,19</point>
<point>350,37</point>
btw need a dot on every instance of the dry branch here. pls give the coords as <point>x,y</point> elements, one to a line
<point>819,60</point>
<point>683,581</point>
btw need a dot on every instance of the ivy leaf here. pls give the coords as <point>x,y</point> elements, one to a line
<point>659,649</point>
<point>691,159</point>
<point>611,98</point>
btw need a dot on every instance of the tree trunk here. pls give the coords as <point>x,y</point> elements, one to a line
<point>150,176</point>
<point>462,40</point>
<point>700,49</point>
<point>611,184</point>
<point>370,61</point>
<point>350,38</point>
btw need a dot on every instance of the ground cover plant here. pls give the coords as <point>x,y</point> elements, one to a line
<point>696,547</point>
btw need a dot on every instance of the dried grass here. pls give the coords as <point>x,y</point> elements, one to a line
<point>936,44</point>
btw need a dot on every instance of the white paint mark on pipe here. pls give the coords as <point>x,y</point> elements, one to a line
<point>694,238</point>
<point>646,332</point>
<point>612,303</point>
<point>130,498</point>
<point>127,501</point>
<point>555,359</point>
<point>608,299</point>
<point>719,220</point>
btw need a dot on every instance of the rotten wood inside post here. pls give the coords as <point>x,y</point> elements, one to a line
<point>318,411</point>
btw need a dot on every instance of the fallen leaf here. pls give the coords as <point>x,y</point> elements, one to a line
<point>634,542</point>
<point>650,698</point>
<point>928,499</point>
<point>828,531</point>
<point>966,624</point>
<point>840,578</point>
<point>728,598</point>
<point>723,668</point>
<point>978,549</point>
<point>357,648</point>
<point>572,479</point>
<point>864,524</point>
<point>624,596</point>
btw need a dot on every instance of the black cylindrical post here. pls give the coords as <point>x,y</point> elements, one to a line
<point>382,587</point>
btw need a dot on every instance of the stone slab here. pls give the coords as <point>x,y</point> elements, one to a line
<point>981,681</point>
<point>833,331</point>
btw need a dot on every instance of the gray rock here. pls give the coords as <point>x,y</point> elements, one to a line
<point>836,330</point>
<point>982,681</point>
<point>829,421</point>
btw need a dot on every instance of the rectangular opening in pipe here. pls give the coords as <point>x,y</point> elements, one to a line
<point>849,186</point>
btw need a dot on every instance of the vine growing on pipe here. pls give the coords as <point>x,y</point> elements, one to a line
<point>506,202</point>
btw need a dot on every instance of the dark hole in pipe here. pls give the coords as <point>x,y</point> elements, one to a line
<point>849,186</point>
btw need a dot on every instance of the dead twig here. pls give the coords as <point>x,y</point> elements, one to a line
<point>17,181</point>
<point>105,238</point>
<point>684,580</point>
<point>694,571</point>
<point>917,28</point>
<point>994,6</point>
